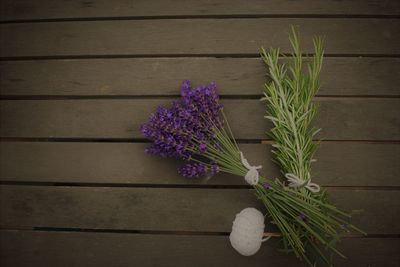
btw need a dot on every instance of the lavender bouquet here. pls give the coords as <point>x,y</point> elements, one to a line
<point>195,129</point>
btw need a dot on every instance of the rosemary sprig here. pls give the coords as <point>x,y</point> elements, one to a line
<point>290,107</point>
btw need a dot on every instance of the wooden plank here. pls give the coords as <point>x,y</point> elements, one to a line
<point>23,10</point>
<point>339,164</point>
<point>195,37</point>
<point>179,209</point>
<point>37,248</point>
<point>143,76</point>
<point>340,118</point>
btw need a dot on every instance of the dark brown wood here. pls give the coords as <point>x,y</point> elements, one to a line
<point>168,209</point>
<point>134,53</point>
<point>193,37</point>
<point>22,10</point>
<point>339,164</point>
<point>163,76</point>
<point>340,118</point>
<point>36,248</point>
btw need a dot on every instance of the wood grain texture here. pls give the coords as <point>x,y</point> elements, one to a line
<point>42,249</point>
<point>168,209</point>
<point>20,10</point>
<point>126,51</point>
<point>340,118</point>
<point>339,164</point>
<point>195,37</point>
<point>162,76</point>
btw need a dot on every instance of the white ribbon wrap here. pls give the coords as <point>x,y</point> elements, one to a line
<point>252,175</point>
<point>296,182</point>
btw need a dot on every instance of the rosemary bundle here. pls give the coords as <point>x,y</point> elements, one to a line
<point>290,107</point>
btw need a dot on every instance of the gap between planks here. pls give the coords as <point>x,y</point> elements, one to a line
<point>216,16</point>
<point>158,232</point>
<point>145,141</point>
<point>222,96</point>
<point>227,55</point>
<point>183,186</point>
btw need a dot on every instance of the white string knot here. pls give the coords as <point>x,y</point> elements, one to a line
<point>296,182</point>
<point>252,175</point>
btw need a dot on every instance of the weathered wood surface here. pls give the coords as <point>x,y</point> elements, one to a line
<point>168,209</point>
<point>338,164</point>
<point>31,10</point>
<point>110,249</point>
<point>343,118</point>
<point>59,59</point>
<point>162,76</point>
<point>195,37</point>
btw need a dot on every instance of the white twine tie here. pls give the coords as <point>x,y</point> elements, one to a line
<point>296,182</point>
<point>252,175</point>
<point>266,238</point>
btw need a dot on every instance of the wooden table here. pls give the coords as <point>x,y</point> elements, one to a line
<point>79,77</point>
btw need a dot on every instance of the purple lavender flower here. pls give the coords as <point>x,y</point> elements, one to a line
<point>191,170</point>
<point>302,216</point>
<point>202,148</point>
<point>214,169</point>
<point>196,169</point>
<point>187,126</point>
<point>266,186</point>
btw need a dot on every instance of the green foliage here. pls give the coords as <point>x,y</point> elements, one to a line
<point>290,107</point>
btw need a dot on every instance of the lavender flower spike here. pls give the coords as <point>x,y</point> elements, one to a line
<point>187,127</point>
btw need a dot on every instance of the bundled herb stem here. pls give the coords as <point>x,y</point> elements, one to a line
<point>290,107</point>
<point>195,129</point>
